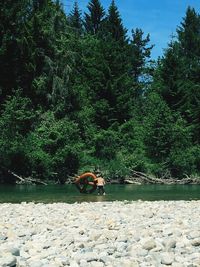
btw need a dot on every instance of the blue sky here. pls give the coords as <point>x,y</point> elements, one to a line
<point>159,18</point>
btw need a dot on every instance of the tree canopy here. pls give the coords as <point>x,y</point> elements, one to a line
<point>78,92</point>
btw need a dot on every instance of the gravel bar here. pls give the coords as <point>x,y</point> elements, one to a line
<point>97,234</point>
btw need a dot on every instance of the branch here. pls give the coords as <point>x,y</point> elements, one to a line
<point>28,179</point>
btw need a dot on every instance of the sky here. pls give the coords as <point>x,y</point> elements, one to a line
<point>159,18</point>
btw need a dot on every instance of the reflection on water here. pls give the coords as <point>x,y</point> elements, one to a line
<point>69,193</point>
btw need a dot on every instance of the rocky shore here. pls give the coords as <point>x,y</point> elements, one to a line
<point>121,234</point>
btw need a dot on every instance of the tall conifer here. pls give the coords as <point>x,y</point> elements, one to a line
<point>94,17</point>
<point>140,52</point>
<point>13,17</point>
<point>140,57</point>
<point>75,20</point>
<point>179,71</point>
<point>114,24</point>
<point>189,34</point>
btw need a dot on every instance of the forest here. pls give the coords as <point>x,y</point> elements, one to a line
<point>77,92</point>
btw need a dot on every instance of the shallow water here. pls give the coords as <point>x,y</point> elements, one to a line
<point>69,193</point>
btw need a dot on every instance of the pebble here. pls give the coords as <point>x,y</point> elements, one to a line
<point>167,258</point>
<point>8,261</point>
<point>150,244</point>
<point>128,234</point>
<point>196,242</point>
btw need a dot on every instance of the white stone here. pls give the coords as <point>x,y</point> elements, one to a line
<point>167,258</point>
<point>176,264</point>
<point>8,261</point>
<point>96,264</point>
<point>74,264</point>
<point>170,244</point>
<point>196,242</point>
<point>148,245</point>
<point>36,264</point>
<point>107,233</point>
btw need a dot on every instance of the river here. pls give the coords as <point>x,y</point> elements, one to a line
<point>69,193</point>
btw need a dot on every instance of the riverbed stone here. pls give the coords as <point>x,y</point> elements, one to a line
<point>169,244</point>
<point>96,264</point>
<point>8,260</point>
<point>160,233</point>
<point>21,263</point>
<point>193,234</point>
<point>196,242</point>
<point>167,258</point>
<point>35,263</point>
<point>13,250</point>
<point>149,244</point>
<point>74,264</point>
<point>177,264</point>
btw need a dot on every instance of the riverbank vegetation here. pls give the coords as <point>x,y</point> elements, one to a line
<point>78,92</point>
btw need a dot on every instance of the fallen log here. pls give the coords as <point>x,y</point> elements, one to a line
<point>146,178</point>
<point>143,178</point>
<point>27,180</point>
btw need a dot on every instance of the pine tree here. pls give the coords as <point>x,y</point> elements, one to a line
<point>179,78</point>
<point>169,73</point>
<point>75,20</point>
<point>189,34</point>
<point>140,53</point>
<point>94,18</point>
<point>52,57</point>
<point>113,24</point>
<point>189,85</point>
<point>13,17</point>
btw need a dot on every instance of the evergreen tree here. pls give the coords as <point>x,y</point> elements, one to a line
<point>53,59</point>
<point>179,71</point>
<point>94,18</point>
<point>118,90</point>
<point>141,63</point>
<point>116,93</point>
<point>168,74</point>
<point>189,84</point>
<point>13,17</point>
<point>140,53</point>
<point>189,34</point>
<point>70,100</point>
<point>113,24</point>
<point>75,20</point>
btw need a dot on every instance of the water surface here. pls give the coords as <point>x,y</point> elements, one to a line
<point>69,193</point>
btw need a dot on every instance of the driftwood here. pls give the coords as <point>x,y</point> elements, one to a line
<point>27,180</point>
<point>142,178</point>
<point>136,177</point>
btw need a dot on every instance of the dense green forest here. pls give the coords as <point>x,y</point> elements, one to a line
<point>77,92</point>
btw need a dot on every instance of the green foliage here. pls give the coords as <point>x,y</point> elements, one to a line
<point>53,148</point>
<point>90,97</point>
<point>75,20</point>
<point>11,32</point>
<point>188,34</point>
<point>178,77</point>
<point>113,25</point>
<point>94,17</point>
<point>158,123</point>
<point>16,122</point>
<point>106,144</point>
<point>141,64</point>
<point>185,162</point>
<point>184,155</point>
